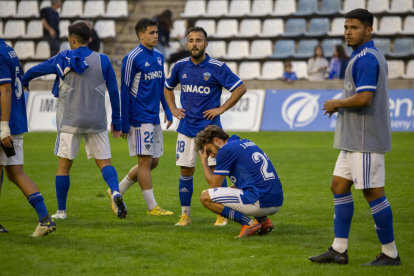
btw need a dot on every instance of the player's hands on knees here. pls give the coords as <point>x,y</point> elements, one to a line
<point>330,107</point>
<point>7,142</point>
<point>212,113</point>
<point>169,122</point>
<point>178,113</point>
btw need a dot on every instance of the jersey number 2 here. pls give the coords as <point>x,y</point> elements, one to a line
<point>257,157</point>
<point>148,135</point>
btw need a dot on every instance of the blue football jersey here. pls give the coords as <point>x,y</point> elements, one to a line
<point>251,170</point>
<point>201,88</point>
<point>11,72</point>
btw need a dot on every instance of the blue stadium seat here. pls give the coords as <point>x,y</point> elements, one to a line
<point>330,7</point>
<point>383,44</point>
<point>328,45</point>
<point>295,27</point>
<point>348,51</point>
<point>306,48</point>
<point>307,7</point>
<point>284,49</point>
<point>318,27</point>
<point>403,47</point>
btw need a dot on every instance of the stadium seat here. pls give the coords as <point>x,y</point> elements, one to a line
<point>330,7</point>
<point>1,28</point>
<point>284,7</point>
<point>318,27</point>
<point>337,27</point>
<point>178,29</point>
<point>301,69</point>
<point>24,49</point>
<point>350,5</point>
<point>272,28</point>
<point>45,4</point>
<point>284,49</point>
<point>194,8</point>
<point>250,28</point>
<point>34,29</point>
<point>401,6</point>
<point>272,70</point>
<point>27,8</point>
<point>261,8</point>
<point>117,9</point>
<point>390,25</point>
<point>295,27</point>
<point>395,69</point>
<point>174,46</point>
<point>328,45</point>
<point>239,8</point>
<point>383,44</point>
<point>307,7</point>
<point>377,6</point>
<point>71,9</point>
<point>403,47</point>
<point>375,25</point>
<point>63,28</point>
<point>105,28</point>
<point>7,8</point>
<point>227,28</point>
<point>237,49</point>
<point>216,49</point>
<point>306,48</point>
<point>64,46</point>
<point>94,8</point>
<point>208,25</point>
<point>409,73</point>
<point>171,67</point>
<point>348,50</point>
<point>166,72</point>
<point>233,66</point>
<point>14,29</point>
<point>217,8</point>
<point>408,25</point>
<point>260,49</point>
<point>249,70</point>
<point>42,50</point>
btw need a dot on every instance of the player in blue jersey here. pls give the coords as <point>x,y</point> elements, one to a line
<point>12,127</point>
<point>82,76</point>
<point>257,190</point>
<point>202,80</point>
<point>142,77</point>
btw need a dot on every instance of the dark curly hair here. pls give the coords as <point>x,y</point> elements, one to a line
<point>206,137</point>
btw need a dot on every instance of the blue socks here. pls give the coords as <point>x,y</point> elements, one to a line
<point>37,201</point>
<point>111,178</point>
<point>62,183</point>
<point>344,210</point>
<point>185,190</point>
<point>381,211</point>
<point>224,185</point>
<point>236,216</point>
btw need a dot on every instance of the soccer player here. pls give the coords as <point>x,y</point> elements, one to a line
<point>257,189</point>
<point>80,87</point>
<point>142,77</point>
<point>202,80</point>
<point>12,127</point>
<point>363,134</point>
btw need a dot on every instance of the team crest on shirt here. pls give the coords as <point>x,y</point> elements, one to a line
<point>148,146</point>
<point>207,76</point>
<point>177,156</point>
<point>159,61</point>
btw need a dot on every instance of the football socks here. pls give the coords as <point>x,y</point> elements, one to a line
<point>185,190</point>
<point>38,203</point>
<point>125,184</point>
<point>62,183</point>
<point>344,210</point>
<point>236,216</point>
<point>149,199</point>
<point>111,178</point>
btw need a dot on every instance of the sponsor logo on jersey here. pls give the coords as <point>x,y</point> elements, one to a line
<point>196,89</point>
<point>12,54</point>
<point>300,109</point>
<point>177,156</point>
<point>153,75</point>
<point>147,64</point>
<point>184,76</point>
<point>159,60</point>
<point>207,76</point>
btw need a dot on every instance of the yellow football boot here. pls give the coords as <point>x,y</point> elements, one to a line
<point>158,211</point>
<point>184,220</point>
<point>221,221</point>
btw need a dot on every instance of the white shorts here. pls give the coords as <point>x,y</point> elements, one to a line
<point>186,155</point>
<point>18,148</point>
<point>145,140</point>
<point>366,170</point>
<point>222,196</point>
<point>96,145</point>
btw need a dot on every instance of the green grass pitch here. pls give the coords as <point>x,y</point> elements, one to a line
<point>93,241</point>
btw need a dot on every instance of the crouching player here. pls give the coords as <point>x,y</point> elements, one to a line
<point>257,189</point>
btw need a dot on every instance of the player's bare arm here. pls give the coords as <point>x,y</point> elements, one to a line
<point>234,98</point>
<point>359,100</point>
<point>6,92</point>
<point>215,181</point>
<point>178,113</point>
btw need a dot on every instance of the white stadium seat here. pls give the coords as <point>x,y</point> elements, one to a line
<point>117,9</point>
<point>408,25</point>
<point>409,74</point>
<point>45,4</point>
<point>94,8</point>
<point>64,46</point>
<point>250,27</point>
<point>194,8</point>
<point>233,66</point>
<point>272,27</point>
<point>395,69</point>
<point>105,28</point>
<point>14,29</point>
<point>260,49</point>
<point>249,70</point>
<point>34,29</point>
<point>238,49</point>
<point>166,72</point>
<point>337,27</point>
<point>272,70</point>
<point>63,28</point>
<point>7,8</point>
<point>227,28</point>
<point>42,50</point>
<point>8,42</point>
<point>72,8</point>
<point>174,46</point>
<point>390,25</point>
<point>350,5</point>
<point>24,49</point>
<point>401,6</point>
<point>216,49</point>
<point>377,6</point>
<point>261,7</point>
<point>375,25</point>
<point>1,28</point>
<point>284,7</point>
<point>217,8</point>
<point>301,69</point>
<point>178,29</point>
<point>208,25</point>
<point>27,8</point>
<point>239,8</point>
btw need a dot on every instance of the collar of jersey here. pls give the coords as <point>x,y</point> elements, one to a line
<point>201,64</point>
<point>84,50</point>
<point>233,137</point>
<point>369,44</point>
<point>145,49</point>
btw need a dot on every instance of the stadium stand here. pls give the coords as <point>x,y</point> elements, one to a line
<point>239,8</point>
<point>194,8</point>
<point>328,45</point>
<point>284,7</point>
<point>284,49</point>
<point>250,28</point>
<point>178,29</point>
<point>226,28</point>
<point>72,9</point>
<point>217,49</point>
<point>260,49</point>
<point>208,25</point>
<point>306,48</point>
<point>306,7</point>
<point>249,70</point>
<point>14,29</point>
<point>395,69</point>
<point>409,74</point>
<point>232,66</point>
<point>24,49</point>
<point>34,29</point>
<point>94,8</point>
<point>261,8</point>
<point>7,9</point>
<point>237,50</point>
<point>27,9</point>
<point>329,7</point>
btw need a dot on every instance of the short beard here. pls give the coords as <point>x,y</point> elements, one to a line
<point>197,56</point>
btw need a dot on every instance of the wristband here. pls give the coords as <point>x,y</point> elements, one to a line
<point>4,129</point>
